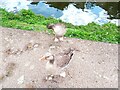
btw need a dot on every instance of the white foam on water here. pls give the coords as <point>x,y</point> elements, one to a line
<point>115,21</point>
<point>76,16</point>
<point>11,5</point>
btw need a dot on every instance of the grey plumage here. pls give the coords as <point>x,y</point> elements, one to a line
<point>58,62</point>
<point>63,59</point>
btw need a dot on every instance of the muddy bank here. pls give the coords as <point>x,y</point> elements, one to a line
<point>94,66</point>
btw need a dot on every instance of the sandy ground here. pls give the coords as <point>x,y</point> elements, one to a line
<point>95,65</point>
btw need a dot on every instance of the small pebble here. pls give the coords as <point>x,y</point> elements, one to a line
<point>52,47</point>
<point>36,45</point>
<point>24,34</point>
<point>27,64</point>
<point>32,67</point>
<point>21,80</point>
<point>31,41</point>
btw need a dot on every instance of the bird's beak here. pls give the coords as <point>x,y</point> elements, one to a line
<point>43,58</point>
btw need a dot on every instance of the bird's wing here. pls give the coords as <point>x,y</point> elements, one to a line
<point>62,60</point>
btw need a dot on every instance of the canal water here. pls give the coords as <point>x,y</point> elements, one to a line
<point>111,7</point>
<point>79,13</point>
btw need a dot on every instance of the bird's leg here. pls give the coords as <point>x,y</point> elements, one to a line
<point>56,39</point>
<point>49,77</point>
<point>63,74</point>
<point>61,38</point>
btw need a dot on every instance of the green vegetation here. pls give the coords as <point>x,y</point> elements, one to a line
<point>27,20</point>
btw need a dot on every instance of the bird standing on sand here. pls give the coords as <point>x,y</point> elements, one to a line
<point>59,30</point>
<point>57,63</point>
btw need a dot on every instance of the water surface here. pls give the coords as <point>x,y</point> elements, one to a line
<point>79,13</point>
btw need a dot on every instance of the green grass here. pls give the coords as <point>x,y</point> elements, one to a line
<point>27,20</point>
